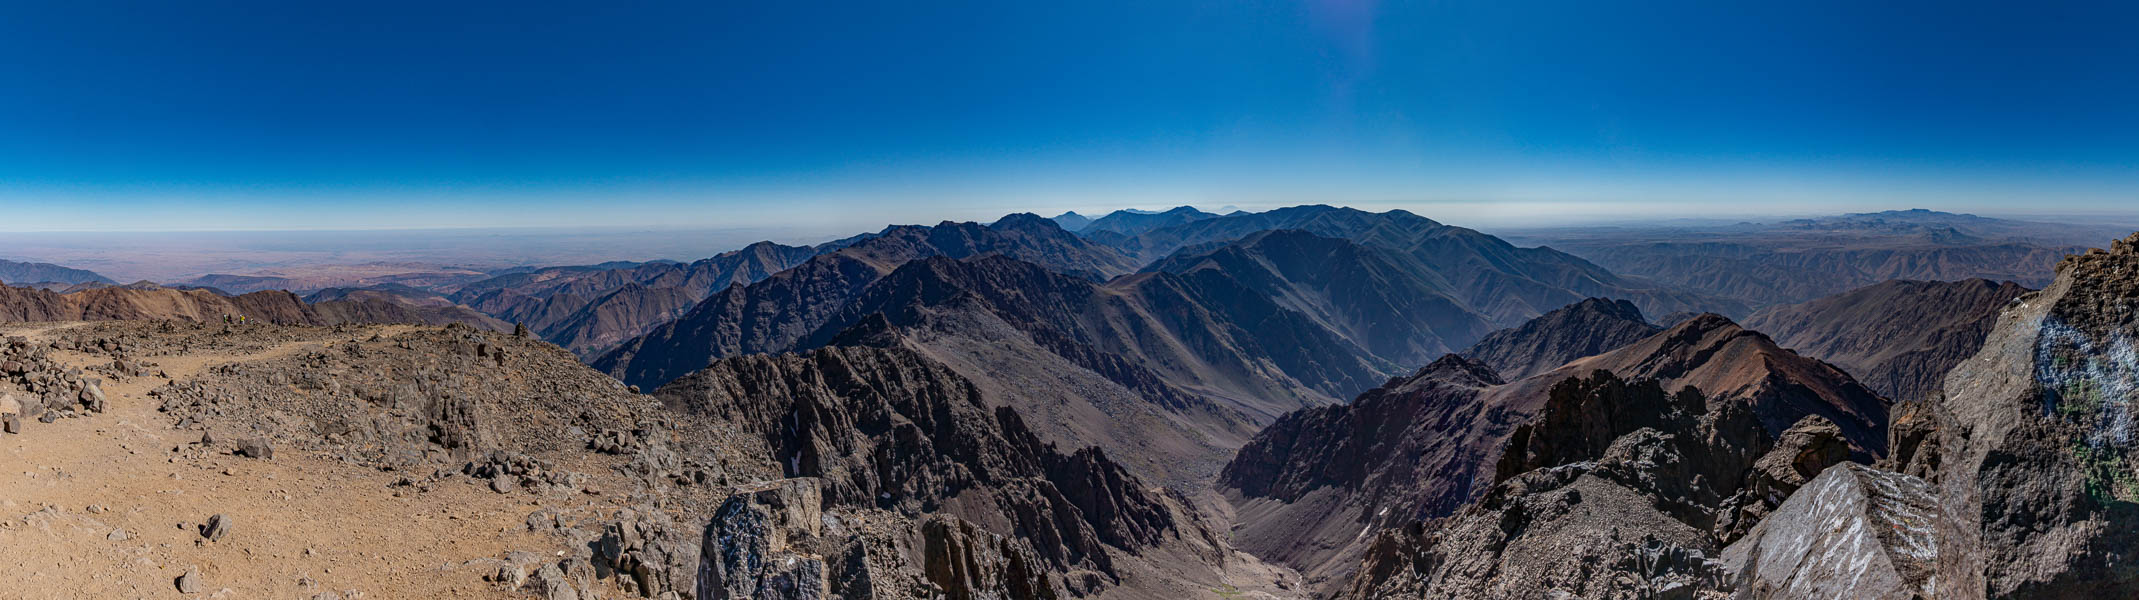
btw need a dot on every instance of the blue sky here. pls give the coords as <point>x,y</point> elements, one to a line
<point>219,115</point>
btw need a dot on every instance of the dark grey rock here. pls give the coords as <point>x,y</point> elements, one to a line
<point>216,527</point>
<point>256,448</point>
<point>747,549</point>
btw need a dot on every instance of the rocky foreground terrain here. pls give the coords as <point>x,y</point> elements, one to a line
<point>165,458</point>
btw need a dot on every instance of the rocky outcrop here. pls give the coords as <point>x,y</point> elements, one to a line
<point>2035,449</point>
<point>1851,532</point>
<point>888,429</point>
<point>970,563</point>
<point>1802,453</point>
<point>1312,485</point>
<point>1587,328</point>
<point>755,546</point>
<point>1613,491</point>
<point>1899,337</point>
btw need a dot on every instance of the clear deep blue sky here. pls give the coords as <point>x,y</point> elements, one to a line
<point>201,114</point>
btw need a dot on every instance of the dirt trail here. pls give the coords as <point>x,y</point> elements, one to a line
<point>109,507</point>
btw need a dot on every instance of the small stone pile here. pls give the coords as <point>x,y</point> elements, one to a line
<point>34,387</point>
<point>509,471</point>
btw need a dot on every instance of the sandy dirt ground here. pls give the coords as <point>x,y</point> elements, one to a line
<point>111,506</point>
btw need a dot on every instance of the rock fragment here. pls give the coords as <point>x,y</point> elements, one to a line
<point>255,448</point>
<point>190,582</point>
<point>216,527</point>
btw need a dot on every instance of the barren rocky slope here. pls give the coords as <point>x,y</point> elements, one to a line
<point>20,273</point>
<point>773,314</point>
<point>2024,490</point>
<point>1587,328</point>
<point>508,469</point>
<point>1899,337</point>
<point>588,309</point>
<point>1312,487</point>
<point>1507,284</point>
<point>890,431</point>
<point>149,301</point>
<point>1379,301</point>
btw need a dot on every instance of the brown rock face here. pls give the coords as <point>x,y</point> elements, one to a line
<point>2035,446</point>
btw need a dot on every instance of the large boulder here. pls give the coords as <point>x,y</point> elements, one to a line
<point>754,547</point>
<point>1852,532</point>
<point>2037,453</point>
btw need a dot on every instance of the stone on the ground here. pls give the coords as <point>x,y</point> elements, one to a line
<point>190,583</point>
<point>10,423</point>
<point>553,585</point>
<point>255,448</point>
<point>92,398</point>
<point>216,527</point>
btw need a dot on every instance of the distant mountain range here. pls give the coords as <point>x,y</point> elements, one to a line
<point>25,273</point>
<point>1761,265</point>
<point>593,308</point>
<point>1898,337</point>
<point>147,301</point>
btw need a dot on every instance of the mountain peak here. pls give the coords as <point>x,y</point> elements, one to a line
<point>1587,328</point>
<point>1025,221</point>
<point>1455,368</point>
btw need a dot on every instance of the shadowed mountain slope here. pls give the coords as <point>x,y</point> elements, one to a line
<point>1587,328</point>
<point>1379,301</point>
<point>1898,337</point>
<point>774,314</point>
<point>20,273</point>
<point>151,302</point>
<point>1505,283</point>
<point>1128,223</point>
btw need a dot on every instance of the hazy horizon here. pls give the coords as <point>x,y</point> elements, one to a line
<point>173,256</point>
